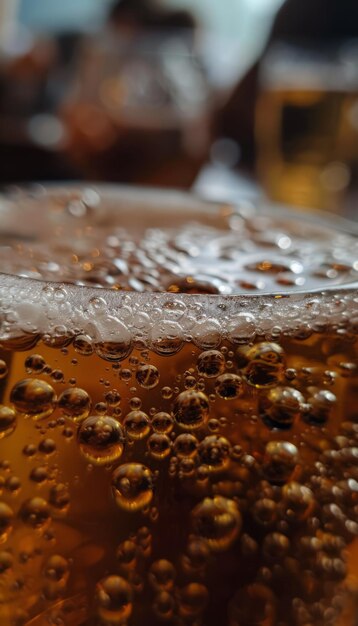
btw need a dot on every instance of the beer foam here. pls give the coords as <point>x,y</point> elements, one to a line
<point>122,265</point>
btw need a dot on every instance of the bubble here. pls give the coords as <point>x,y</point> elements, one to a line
<point>132,487</point>
<point>265,511</point>
<point>253,604</point>
<point>320,406</point>
<point>189,382</point>
<point>100,408</point>
<point>162,422</point>
<point>207,334</point>
<point>193,599</point>
<point>33,397</point>
<point>229,386</point>
<point>186,445</point>
<point>114,350</point>
<point>280,461</point>
<point>35,363</point>
<point>57,375</point>
<point>214,453</point>
<point>35,512</point>
<point>197,555</point>
<point>75,403</point>
<point>3,369</point>
<point>218,521</point>
<point>56,568</point>
<point>164,606</point>
<point>13,484</point>
<point>242,328</point>
<point>114,600</point>
<point>266,365</point>
<point>162,575</point>
<point>6,561</point>
<point>297,501</point>
<point>47,446</point>
<point>282,406</point>
<point>159,445</point>
<point>39,474</point>
<point>147,376</point>
<point>6,521</point>
<point>191,409</point>
<point>167,393</point>
<point>126,554</point>
<point>211,363</point>
<point>167,338</point>
<point>125,374</point>
<point>29,450</point>
<point>7,420</point>
<point>83,345</point>
<point>275,546</point>
<point>330,567</point>
<point>101,439</point>
<point>59,497</point>
<point>112,398</point>
<point>137,424</point>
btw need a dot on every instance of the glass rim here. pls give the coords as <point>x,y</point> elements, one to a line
<point>33,307</point>
<point>147,197</point>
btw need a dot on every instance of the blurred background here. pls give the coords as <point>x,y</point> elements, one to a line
<point>243,98</point>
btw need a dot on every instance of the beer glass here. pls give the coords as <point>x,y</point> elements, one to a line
<point>306,125</point>
<point>178,418</point>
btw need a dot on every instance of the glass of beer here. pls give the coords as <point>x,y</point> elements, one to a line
<point>307,125</point>
<point>178,418</point>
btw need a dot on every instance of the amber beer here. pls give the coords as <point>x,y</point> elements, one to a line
<point>307,126</point>
<point>178,414</point>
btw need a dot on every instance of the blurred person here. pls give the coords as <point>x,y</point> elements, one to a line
<point>298,22</point>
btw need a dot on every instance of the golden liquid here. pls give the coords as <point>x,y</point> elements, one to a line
<point>244,530</point>
<point>307,145</point>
